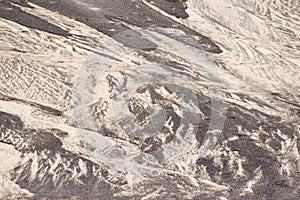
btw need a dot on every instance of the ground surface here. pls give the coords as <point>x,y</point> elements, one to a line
<point>161,99</point>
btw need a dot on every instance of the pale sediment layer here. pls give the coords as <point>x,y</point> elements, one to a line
<point>149,99</point>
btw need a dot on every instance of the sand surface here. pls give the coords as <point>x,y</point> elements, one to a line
<point>161,99</point>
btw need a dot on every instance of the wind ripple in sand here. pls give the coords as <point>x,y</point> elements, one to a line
<point>260,39</point>
<point>156,146</point>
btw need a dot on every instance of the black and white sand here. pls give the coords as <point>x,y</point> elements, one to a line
<point>138,99</point>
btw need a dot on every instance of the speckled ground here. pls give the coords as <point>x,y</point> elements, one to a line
<point>161,99</point>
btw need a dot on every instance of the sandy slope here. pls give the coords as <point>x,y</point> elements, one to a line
<point>97,102</point>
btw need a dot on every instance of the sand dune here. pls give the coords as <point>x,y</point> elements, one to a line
<point>147,99</point>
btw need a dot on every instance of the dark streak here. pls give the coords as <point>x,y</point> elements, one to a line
<point>47,109</point>
<point>112,17</point>
<point>172,7</point>
<point>13,13</point>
